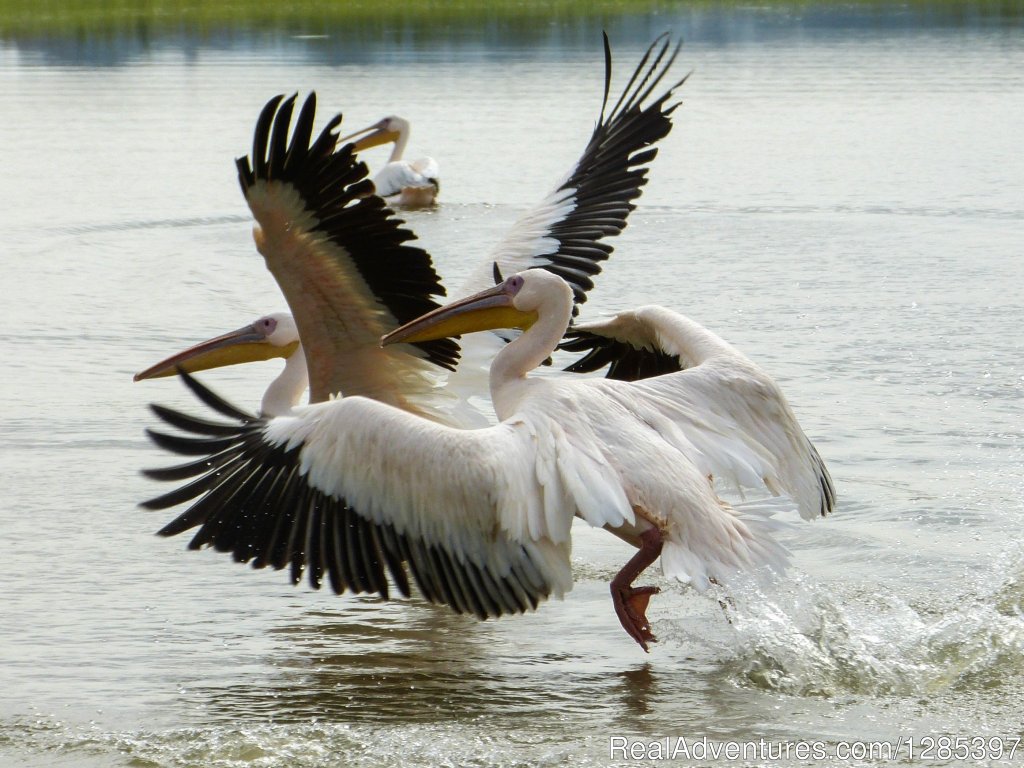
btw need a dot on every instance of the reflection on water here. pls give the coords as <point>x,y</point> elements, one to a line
<point>394,664</point>
<point>337,34</point>
<point>841,199</point>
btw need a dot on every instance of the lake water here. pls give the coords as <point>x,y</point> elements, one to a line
<point>842,198</point>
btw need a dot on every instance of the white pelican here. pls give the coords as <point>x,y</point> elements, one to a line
<point>482,517</point>
<point>403,183</point>
<point>349,274</point>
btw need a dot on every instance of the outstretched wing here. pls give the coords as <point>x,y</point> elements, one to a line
<point>353,491</point>
<point>721,404</point>
<point>341,258</point>
<point>565,232</point>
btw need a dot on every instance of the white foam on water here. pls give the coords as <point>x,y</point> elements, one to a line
<point>805,639</point>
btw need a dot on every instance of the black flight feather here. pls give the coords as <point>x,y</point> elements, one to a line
<point>250,498</point>
<point>333,186</point>
<point>625,362</point>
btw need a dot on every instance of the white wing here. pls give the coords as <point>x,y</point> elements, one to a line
<point>723,409</point>
<point>400,174</point>
<point>350,487</point>
<point>428,168</point>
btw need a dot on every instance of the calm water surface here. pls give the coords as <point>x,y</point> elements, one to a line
<point>842,198</point>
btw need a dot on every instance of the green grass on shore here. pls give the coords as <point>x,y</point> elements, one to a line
<point>24,17</point>
<point>70,18</point>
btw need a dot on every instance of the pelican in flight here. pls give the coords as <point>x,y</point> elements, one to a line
<point>402,183</point>
<point>349,274</point>
<point>340,490</point>
<point>358,490</point>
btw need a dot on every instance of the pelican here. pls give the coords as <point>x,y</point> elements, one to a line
<point>350,275</point>
<point>357,488</point>
<point>403,183</point>
<point>267,337</point>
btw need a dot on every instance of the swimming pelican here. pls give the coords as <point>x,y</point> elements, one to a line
<point>350,275</point>
<point>482,517</point>
<point>403,183</point>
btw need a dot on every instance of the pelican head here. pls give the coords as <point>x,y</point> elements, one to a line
<point>517,301</point>
<point>268,337</point>
<point>386,131</point>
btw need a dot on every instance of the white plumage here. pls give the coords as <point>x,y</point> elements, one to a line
<point>728,409</point>
<point>634,457</point>
<point>379,477</point>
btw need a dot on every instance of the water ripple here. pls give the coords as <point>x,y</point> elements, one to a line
<point>177,223</point>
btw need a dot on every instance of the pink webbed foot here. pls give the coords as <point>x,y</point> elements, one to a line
<point>631,608</point>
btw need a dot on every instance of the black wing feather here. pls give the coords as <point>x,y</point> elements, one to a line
<point>334,188</point>
<point>250,498</point>
<point>625,362</point>
<point>612,170</point>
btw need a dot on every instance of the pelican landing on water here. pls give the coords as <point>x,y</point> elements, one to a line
<point>350,273</point>
<point>389,485</point>
<point>358,491</point>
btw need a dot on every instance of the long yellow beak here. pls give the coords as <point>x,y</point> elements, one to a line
<point>375,137</point>
<point>245,345</point>
<point>484,311</point>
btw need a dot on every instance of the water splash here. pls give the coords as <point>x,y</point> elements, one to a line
<point>809,640</point>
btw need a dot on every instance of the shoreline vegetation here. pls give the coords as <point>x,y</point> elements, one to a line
<point>79,18</point>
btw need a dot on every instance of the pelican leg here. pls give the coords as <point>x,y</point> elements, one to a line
<point>631,602</point>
